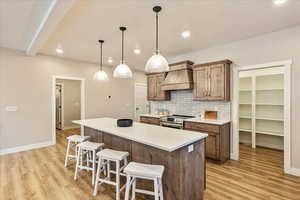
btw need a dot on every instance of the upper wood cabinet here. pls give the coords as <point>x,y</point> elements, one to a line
<point>212,81</point>
<point>154,82</point>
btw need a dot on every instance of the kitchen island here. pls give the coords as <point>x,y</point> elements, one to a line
<point>181,152</point>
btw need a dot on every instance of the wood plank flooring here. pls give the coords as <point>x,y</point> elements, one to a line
<point>40,174</point>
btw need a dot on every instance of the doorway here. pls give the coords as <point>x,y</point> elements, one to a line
<point>68,104</point>
<point>261,108</point>
<point>141,104</point>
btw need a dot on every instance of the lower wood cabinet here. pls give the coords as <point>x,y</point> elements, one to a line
<point>218,141</point>
<point>150,120</point>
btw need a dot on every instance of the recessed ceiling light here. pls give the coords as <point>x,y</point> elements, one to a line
<point>186,34</point>
<point>110,60</point>
<point>137,51</point>
<point>279,2</point>
<point>59,50</point>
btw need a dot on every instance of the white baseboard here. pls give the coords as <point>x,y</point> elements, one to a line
<point>25,148</point>
<point>71,127</point>
<point>293,171</point>
<point>233,156</point>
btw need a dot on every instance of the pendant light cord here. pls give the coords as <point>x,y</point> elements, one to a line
<point>122,47</point>
<point>157,51</point>
<point>101,57</point>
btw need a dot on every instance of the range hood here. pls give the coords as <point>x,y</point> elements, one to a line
<point>179,77</point>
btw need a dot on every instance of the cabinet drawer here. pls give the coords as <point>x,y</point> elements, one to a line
<point>202,127</point>
<point>150,120</point>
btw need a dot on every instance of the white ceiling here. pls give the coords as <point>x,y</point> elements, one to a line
<point>19,20</point>
<point>211,22</point>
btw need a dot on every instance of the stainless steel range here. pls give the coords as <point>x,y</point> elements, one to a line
<point>174,121</point>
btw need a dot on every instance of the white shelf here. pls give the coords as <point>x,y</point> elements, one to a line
<point>270,133</point>
<point>271,89</point>
<point>245,130</point>
<point>268,104</point>
<point>245,117</point>
<point>269,119</point>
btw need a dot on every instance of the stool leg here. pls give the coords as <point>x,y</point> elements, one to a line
<point>127,188</point>
<point>118,180</point>
<point>156,189</point>
<point>94,166</point>
<point>97,177</point>
<point>67,154</point>
<point>108,169</point>
<point>161,192</point>
<point>77,163</point>
<point>133,189</point>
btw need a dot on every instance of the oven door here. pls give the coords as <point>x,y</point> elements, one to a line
<point>171,125</point>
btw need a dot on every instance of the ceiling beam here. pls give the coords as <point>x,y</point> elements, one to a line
<point>53,16</point>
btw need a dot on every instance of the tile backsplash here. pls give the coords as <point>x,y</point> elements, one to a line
<point>182,103</point>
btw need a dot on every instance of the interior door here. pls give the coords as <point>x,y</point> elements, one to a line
<point>217,82</point>
<point>141,103</point>
<point>58,107</point>
<point>201,87</point>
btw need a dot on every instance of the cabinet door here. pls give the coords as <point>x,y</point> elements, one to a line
<point>201,83</point>
<point>160,94</point>
<point>151,87</point>
<point>212,146</point>
<point>216,82</point>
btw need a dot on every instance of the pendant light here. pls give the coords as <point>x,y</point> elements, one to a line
<point>157,63</point>
<point>122,70</point>
<point>101,75</point>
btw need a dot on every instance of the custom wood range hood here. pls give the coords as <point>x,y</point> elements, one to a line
<point>179,77</point>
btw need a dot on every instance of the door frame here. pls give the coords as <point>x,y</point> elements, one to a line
<point>135,85</point>
<point>53,99</point>
<point>287,108</point>
<point>62,106</point>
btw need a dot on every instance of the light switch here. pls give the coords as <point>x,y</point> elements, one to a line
<point>11,108</point>
<point>191,148</point>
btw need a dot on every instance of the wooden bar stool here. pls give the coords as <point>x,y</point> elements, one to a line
<point>105,157</point>
<point>89,149</point>
<point>73,140</point>
<point>144,171</point>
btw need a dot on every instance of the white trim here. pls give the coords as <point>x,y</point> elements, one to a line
<point>83,104</point>
<point>25,147</point>
<point>135,85</point>
<point>287,111</point>
<point>62,106</point>
<point>293,171</point>
<point>71,127</point>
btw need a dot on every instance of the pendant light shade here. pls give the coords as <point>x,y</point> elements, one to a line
<point>122,70</point>
<point>101,75</point>
<point>157,63</point>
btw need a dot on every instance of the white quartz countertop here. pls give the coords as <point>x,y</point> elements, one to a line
<point>208,121</point>
<point>168,139</point>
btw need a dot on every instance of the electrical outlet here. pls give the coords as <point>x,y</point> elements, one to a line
<point>191,148</point>
<point>11,108</point>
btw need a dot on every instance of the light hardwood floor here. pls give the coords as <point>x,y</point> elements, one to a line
<point>40,174</point>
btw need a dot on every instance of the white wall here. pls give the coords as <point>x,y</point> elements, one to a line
<point>276,46</point>
<point>26,82</point>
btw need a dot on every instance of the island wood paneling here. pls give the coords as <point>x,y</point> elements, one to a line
<point>184,176</point>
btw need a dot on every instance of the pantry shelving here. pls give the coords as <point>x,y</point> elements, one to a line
<point>262,107</point>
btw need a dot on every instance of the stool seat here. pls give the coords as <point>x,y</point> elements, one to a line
<point>110,154</point>
<point>144,170</point>
<point>87,145</point>
<point>78,138</point>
